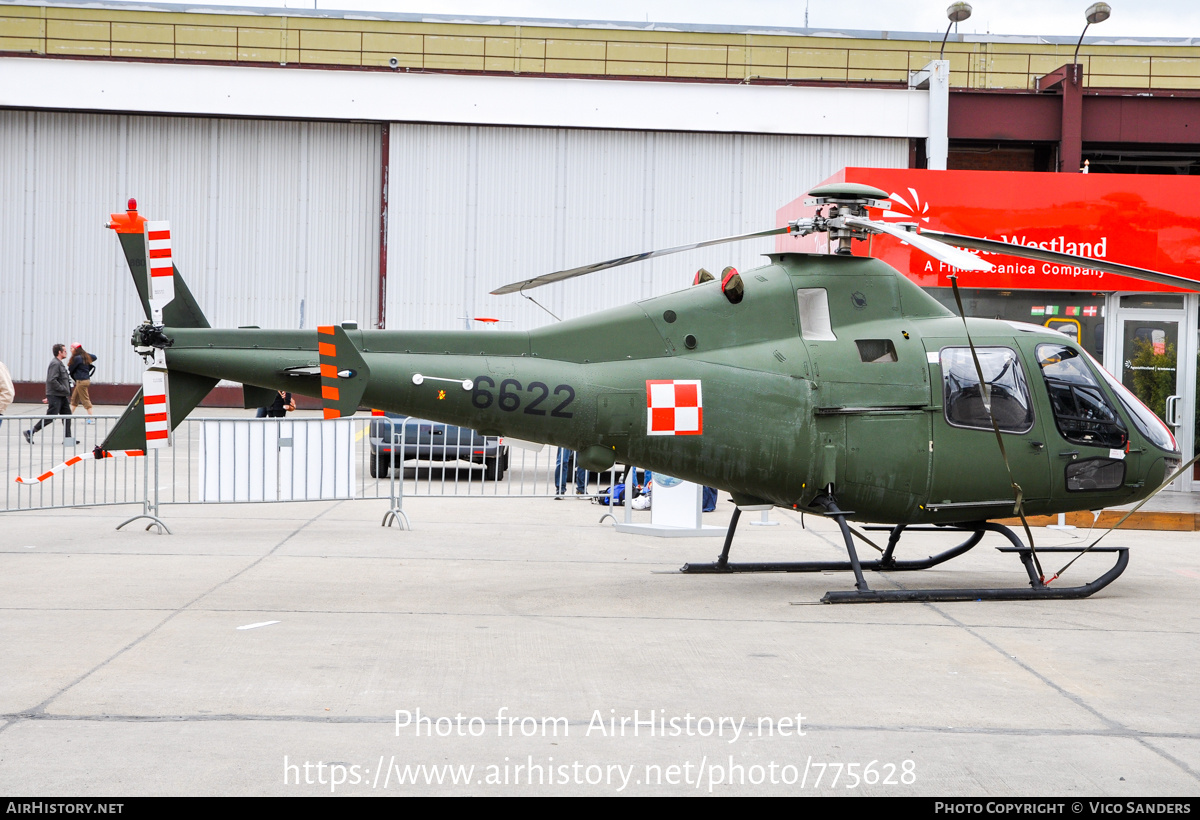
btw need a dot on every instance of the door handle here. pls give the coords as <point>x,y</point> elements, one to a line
<point>1071,454</point>
<point>1038,445</point>
<point>1171,410</point>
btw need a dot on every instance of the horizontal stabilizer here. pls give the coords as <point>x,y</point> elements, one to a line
<point>344,373</point>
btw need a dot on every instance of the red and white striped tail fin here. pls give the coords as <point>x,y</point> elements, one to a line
<point>154,399</point>
<point>161,266</point>
<point>96,454</point>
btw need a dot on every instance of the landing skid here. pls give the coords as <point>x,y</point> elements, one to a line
<point>863,594</point>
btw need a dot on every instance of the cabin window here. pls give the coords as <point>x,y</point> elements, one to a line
<point>814,315</point>
<point>1007,397</point>
<point>876,350</point>
<point>1095,474</point>
<point>1081,411</point>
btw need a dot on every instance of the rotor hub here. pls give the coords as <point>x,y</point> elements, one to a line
<point>842,200</point>
<point>148,337</point>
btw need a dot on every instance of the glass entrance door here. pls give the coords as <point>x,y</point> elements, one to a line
<point>1151,348</point>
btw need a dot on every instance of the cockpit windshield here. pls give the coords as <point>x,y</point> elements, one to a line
<point>1081,410</point>
<point>1148,424</point>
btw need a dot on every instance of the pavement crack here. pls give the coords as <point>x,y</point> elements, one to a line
<point>41,707</point>
<point>1115,727</point>
<point>1118,732</point>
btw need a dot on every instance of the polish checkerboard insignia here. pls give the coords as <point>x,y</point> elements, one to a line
<point>674,407</point>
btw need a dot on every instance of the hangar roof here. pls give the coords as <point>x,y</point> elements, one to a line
<point>576,48</point>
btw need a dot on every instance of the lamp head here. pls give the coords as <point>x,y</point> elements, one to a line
<point>961,11</point>
<point>1097,13</point>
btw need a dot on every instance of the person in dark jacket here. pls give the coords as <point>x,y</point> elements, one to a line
<point>58,395</point>
<point>81,369</point>
<point>278,409</point>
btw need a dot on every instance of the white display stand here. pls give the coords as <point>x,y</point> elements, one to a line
<point>269,460</point>
<point>675,511</point>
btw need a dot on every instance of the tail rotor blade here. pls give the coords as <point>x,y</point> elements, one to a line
<point>161,267</point>
<point>157,406</point>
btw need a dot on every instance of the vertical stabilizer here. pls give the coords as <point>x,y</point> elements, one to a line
<point>180,311</point>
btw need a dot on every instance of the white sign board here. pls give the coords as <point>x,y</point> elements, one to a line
<point>675,511</point>
<point>675,503</point>
<point>276,459</point>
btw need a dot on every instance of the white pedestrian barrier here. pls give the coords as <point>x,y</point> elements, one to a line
<point>280,460</point>
<point>242,459</point>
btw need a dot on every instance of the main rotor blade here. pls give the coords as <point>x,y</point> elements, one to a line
<point>993,246</point>
<point>559,276</point>
<point>943,253</point>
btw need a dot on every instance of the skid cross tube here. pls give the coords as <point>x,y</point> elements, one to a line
<point>886,563</point>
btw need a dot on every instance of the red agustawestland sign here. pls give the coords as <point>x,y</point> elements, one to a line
<point>1146,221</point>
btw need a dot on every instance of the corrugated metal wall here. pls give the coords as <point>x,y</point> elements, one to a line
<point>475,207</point>
<point>263,214</point>
<point>269,214</point>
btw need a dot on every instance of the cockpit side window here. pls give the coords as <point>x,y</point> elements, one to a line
<point>1007,396</point>
<point>1081,410</point>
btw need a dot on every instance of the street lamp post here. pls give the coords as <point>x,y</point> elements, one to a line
<point>956,14</point>
<point>1096,13</point>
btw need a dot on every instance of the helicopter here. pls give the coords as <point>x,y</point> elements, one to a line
<point>827,383</point>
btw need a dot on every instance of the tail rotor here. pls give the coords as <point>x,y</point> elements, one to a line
<point>148,420</point>
<point>161,291</point>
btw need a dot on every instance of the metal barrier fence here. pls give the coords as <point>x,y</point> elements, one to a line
<point>241,459</point>
<point>86,484</point>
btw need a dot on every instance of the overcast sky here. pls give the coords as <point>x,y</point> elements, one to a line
<point>1143,18</point>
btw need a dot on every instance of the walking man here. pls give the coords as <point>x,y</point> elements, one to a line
<point>58,395</point>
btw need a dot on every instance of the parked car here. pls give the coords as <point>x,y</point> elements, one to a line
<point>403,438</point>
